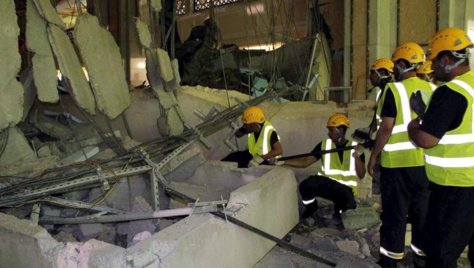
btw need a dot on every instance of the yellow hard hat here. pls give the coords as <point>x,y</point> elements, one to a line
<point>253,114</point>
<point>425,68</point>
<point>382,63</point>
<point>337,120</point>
<point>411,52</point>
<point>448,39</point>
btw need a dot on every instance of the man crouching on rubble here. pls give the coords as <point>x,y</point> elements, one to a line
<point>337,179</point>
<point>263,142</point>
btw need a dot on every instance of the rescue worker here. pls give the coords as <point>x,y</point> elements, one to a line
<point>426,73</point>
<point>337,179</point>
<point>403,181</point>
<point>263,142</point>
<point>381,73</point>
<point>447,134</point>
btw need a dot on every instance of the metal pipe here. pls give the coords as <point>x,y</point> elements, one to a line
<point>130,217</point>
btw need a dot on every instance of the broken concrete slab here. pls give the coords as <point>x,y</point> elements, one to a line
<point>44,67</point>
<point>45,78</point>
<point>71,69</point>
<point>20,237</point>
<point>52,127</point>
<point>103,62</point>
<point>48,12</point>
<point>181,244</point>
<point>11,102</point>
<point>143,33</point>
<point>17,149</point>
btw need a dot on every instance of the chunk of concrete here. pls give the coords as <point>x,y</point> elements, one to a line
<point>48,12</point>
<point>71,68</point>
<point>143,33</point>
<point>44,67</point>
<point>103,62</point>
<point>359,218</point>
<point>11,102</point>
<point>17,149</point>
<point>24,244</point>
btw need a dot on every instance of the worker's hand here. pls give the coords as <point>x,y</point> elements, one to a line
<point>371,165</point>
<point>415,123</point>
<point>358,151</point>
<point>256,161</point>
<point>417,104</point>
<point>274,161</point>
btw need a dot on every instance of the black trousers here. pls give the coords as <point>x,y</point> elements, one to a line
<point>319,186</point>
<point>405,195</point>
<point>241,157</point>
<point>449,225</point>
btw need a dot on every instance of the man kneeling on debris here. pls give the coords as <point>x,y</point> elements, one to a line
<point>263,142</point>
<point>337,179</point>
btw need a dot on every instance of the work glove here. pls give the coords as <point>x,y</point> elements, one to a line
<point>358,150</point>
<point>274,162</point>
<point>256,161</point>
<point>417,104</point>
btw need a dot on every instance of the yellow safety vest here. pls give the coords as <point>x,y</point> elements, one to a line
<point>451,161</point>
<point>345,172</point>
<point>262,146</point>
<point>400,151</point>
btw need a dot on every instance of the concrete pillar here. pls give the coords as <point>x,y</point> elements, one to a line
<point>382,29</point>
<point>359,49</point>
<point>347,42</point>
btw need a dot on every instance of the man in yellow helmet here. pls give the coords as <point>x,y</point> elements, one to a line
<point>403,181</point>
<point>447,134</point>
<point>381,73</point>
<point>263,142</point>
<point>426,73</point>
<point>337,179</point>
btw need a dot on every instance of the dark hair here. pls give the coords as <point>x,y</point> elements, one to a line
<point>406,62</point>
<point>454,58</point>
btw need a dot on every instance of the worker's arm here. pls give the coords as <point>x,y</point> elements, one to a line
<point>383,134</point>
<point>359,165</point>
<point>301,162</point>
<point>240,132</point>
<point>276,151</point>
<point>420,137</point>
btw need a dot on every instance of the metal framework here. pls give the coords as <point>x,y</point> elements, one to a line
<point>205,4</point>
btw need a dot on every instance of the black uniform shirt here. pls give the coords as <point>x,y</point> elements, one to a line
<point>389,108</point>
<point>445,112</point>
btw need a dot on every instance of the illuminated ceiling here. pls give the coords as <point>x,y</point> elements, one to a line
<point>68,10</point>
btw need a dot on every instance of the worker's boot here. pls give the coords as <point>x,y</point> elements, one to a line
<point>386,262</point>
<point>418,261</point>
<point>310,209</point>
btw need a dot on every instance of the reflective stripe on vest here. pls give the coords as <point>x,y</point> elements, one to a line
<point>460,138</point>
<point>343,174</point>
<point>400,151</point>
<point>261,146</point>
<point>451,161</point>
<point>377,103</point>
<point>406,111</point>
